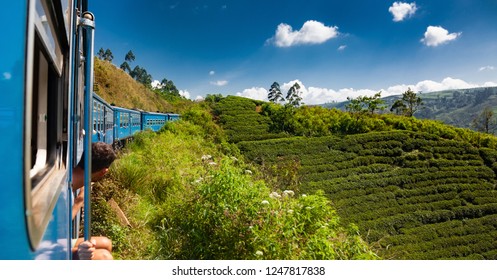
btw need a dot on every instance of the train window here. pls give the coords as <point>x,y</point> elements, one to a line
<point>44,118</point>
<point>46,31</point>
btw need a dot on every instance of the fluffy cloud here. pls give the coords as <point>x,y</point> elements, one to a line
<point>316,95</point>
<point>256,93</point>
<point>437,35</point>
<point>401,11</point>
<point>155,84</point>
<point>342,47</point>
<point>212,72</point>
<point>220,83</point>
<point>184,93</point>
<point>312,32</point>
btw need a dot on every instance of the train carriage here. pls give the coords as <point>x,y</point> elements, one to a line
<point>102,120</point>
<point>49,116</point>
<point>46,65</point>
<point>127,122</point>
<point>153,121</point>
<point>172,117</point>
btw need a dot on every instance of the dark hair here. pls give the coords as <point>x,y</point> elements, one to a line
<point>102,156</point>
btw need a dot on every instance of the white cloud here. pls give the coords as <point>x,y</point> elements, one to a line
<point>220,83</point>
<point>312,32</point>
<point>212,72</point>
<point>487,68</point>
<point>184,93</point>
<point>199,98</point>
<point>437,35</point>
<point>401,11</point>
<point>342,47</point>
<point>489,84</point>
<point>316,95</point>
<point>256,93</point>
<point>156,84</point>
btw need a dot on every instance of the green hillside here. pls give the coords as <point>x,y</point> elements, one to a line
<point>456,107</point>
<point>416,189</point>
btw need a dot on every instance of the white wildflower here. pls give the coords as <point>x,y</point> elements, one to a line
<point>249,172</point>
<point>288,192</point>
<point>259,253</point>
<point>274,195</point>
<point>304,195</point>
<point>206,157</point>
<point>212,163</point>
<point>265,202</point>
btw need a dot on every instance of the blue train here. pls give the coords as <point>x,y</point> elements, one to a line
<point>48,117</point>
<point>112,124</point>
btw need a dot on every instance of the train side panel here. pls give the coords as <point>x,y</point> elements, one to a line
<point>153,121</point>
<point>35,205</point>
<point>12,226</point>
<point>102,121</point>
<point>126,122</point>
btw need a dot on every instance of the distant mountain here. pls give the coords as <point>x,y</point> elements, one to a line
<point>456,107</point>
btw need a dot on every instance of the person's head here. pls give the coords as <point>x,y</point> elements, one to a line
<point>102,156</point>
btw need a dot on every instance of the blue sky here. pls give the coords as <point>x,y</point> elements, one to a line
<point>333,49</point>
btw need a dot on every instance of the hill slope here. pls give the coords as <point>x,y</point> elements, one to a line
<point>417,189</point>
<point>118,88</point>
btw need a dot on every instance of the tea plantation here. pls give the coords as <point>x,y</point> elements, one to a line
<point>416,189</point>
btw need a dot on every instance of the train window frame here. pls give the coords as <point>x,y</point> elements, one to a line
<point>46,30</point>
<point>44,156</point>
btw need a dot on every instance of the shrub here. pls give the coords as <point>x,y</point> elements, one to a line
<point>229,216</point>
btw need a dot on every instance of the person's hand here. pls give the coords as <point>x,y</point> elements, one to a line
<point>81,196</point>
<point>86,250</point>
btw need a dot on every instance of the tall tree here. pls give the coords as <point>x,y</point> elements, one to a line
<point>398,107</point>
<point>374,103</point>
<point>130,57</point>
<point>167,87</point>
<point>274,94</point>
<point>354,105</point>
<point>412,101</point>
<point>408,104</point>
<point>485,121</point>
<point>141,76</point>
<point>125,67</point>
<point>108,55</point>
<point>101,53</point>
<point>293,96</point>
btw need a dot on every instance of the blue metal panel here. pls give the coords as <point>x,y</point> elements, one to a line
<point>172,117</point>
<point>123,123</point>
<point>102,120</point>
<point>13,236</point>
<point>153,121</point>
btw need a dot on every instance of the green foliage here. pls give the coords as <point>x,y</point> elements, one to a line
<point>393,182</point>
<point>366,104</point>
<point>408,104</point>
<point>230,216</point>
<point>186,199</point>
